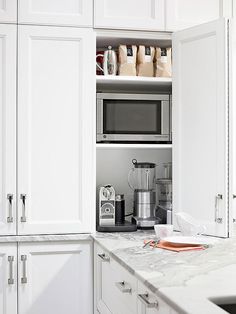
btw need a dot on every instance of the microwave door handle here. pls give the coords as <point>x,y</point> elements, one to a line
<point>165,114</point>
<point>99,116</point>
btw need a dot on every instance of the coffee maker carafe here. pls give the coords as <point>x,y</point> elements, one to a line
<point>141,179</point>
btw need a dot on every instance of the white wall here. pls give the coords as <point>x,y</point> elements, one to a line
<point>113,165</point>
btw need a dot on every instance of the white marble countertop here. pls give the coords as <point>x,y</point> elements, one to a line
<point>187,281</point>
<point>45,237</point>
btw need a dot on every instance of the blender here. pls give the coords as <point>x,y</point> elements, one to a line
<point>141,180</point>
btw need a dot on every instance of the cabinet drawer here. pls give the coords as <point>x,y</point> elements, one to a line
<point>125,287</point>
<point>115,287</point>
<point>150,303</point>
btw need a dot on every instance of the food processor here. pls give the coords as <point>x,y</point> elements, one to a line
<point>164,194</point>
<point>141,179</point>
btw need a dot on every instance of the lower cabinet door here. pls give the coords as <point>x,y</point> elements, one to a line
<point>55,278</point>
<point>149,303</point>
<point>8,278</point>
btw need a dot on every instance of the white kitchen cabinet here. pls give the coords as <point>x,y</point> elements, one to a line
<point>101,267</point>
<point>200,124</point>
<point>8,275</point>
<point>131,14</point>
<point>115,287</point>
<point>180,14</point>
<point>149,303</point>
<point>55,278</point>
<point>54,12</point>
<point>8,11</point>
<point>117,291</point>
<point>7,129</point>
<point>56,130</point>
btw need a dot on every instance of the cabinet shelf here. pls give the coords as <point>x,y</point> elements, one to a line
<point>130,146</point>
<point>133,82</point>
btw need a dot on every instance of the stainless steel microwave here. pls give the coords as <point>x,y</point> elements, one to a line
<point>133,117</point>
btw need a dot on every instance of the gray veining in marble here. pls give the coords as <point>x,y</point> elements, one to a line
<point>159,268</point>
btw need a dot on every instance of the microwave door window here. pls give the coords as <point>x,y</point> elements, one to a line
<point>132,117</point>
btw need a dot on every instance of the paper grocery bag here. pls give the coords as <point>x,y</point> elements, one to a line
<point>145,58</point>
<point>127,60</point>
<point>163,62</point>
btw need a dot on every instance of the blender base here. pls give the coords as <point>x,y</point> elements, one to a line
<point>146,223</point>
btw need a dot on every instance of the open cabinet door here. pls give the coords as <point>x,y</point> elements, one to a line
<point>232,127</point>
<point>200,125</point>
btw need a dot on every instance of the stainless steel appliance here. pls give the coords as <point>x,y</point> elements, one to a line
<point>141,179</point>
<point>164,194</point>
<point>107,205</point>
<point>133,117</point>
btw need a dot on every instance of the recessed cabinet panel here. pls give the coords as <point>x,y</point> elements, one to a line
<point>182,14</point>
<point>54,12</point>
<point>8,275</point>
<point>55,278</point>
<point>7,129</point>
<point>132,14</point>
<point>56,130</point>
<point>200,125</point>
<point>8,11</point>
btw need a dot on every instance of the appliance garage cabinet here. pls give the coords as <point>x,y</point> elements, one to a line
<point>117,291</point>
<point>43,274</point>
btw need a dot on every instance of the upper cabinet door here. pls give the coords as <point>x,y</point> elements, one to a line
<point>132,14</point>
<point>7,129</point>
<point>8,11</point>
<point>200,125</point>
<point>56,130</point>
<point>182,14</point>
<point>54,12</point>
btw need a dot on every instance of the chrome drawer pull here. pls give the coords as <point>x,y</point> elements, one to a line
<point>104,257</point>
<point>23,217</point>
<point>145,300</point>
<point>24,278</point>
<point>123,287</point>
<point>217,218</point>
<point>10,279</point>
<point>10,199</point>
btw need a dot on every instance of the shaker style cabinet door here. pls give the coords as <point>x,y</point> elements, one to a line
<point>200,125</point>
<point>8,275</point>
<point>182,14</point>
<point>56,136</point>
<point>7,129</point>
<point>56,12</point>
<point>131,14</point>
<point>55,278</point>
<point>8,11</point>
